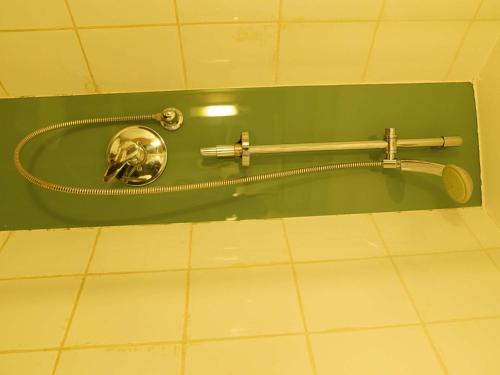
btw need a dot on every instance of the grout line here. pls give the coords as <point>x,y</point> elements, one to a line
<point>497,266</point>
<point>462,42</point>
<point>5,241</point>
<point>243,266</point>
<point>462,320</point>
<point>77,300</point>
<point>121,345</point>
<point>208,23</point>
<point>125,26</point>
<point>278,43</point>
<point>365,328</point>
<point>85,57</point>
<point>186,303</point>
<point>181,45</point>
<point>410,298</point>
<point>249,337</point>
<point>2,87</point>
<point>312,361</point>
<point>372,44</point>
<point>484,248</point>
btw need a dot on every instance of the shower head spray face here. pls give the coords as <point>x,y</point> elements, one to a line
<point>458,183</point>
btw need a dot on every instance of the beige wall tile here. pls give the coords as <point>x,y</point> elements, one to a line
<point>243,302</point>
<point>136,59</point>
<point>475,50</point>
<point>34,313</point>
<point>489,10</point>
<point>229,55</point>
<point>484,228</point>
<point>353,294</point>
<point>439,230</point>
<point>151,360</point>
<point>34,14</point>
<point>27,363</point>
<point>270,356</point>
<point>43,63</point>
<point>47,252</point>
<point>333,237</point>
<point>469,347</point>
<point>452,286</point>
<point>414,51</point>
<point>430,9</point>
<point>130,308</point>
<point>238,242</point>
<point>142,248</point>
<point>324,53</point>
<point>227,10</point>
<point>122,12</point>
<point>488,96</point>
<point>395,351</point>
<point>331,9</point>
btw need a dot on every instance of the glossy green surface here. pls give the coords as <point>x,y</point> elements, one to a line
<point>272,115</point>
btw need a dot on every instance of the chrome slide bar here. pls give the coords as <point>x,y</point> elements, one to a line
<point>390,144</point>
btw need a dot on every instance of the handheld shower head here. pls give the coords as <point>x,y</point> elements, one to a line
<point>456,180</point>
<point>458,183</point>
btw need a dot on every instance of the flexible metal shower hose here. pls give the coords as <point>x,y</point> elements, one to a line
<point>160,189</point>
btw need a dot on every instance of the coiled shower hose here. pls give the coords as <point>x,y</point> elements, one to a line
<point>160,189</point>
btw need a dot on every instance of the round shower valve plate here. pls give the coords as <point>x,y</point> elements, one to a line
<point>149,155</point>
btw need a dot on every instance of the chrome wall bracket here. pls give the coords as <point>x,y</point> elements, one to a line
<point>242,149</point>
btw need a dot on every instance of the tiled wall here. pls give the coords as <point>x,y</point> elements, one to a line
<point>59,47</point>
<point>352,294</point>
<point>488,97</point>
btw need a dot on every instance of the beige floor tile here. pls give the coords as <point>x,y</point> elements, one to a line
<point>276,355</point>
<point>34,313</point>
<point>47,252</point>
<point>26,14</point>
<point>471,347</point>
<point>485,229</point>
<point>146,360</point>
<point>438,230</point>
<point>333,237</point>
<point>450,286</point>
<point>238,242</point>
<point>142,248</point>
<point>39,363</point>
<point>130,308</point>
<point>242,302</point>
<point>386,351</point>
<point>495,254</point>
<point>3,238</point>
<point>353,294</point>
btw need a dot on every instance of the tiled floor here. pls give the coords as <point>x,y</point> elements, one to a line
<point>391,293</point>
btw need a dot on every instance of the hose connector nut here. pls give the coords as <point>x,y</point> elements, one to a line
<point>171,118</point>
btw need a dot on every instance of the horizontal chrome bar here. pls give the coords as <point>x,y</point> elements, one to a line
<point>231,151</point>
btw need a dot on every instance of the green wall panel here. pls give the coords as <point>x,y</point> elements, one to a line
<point>272,115</point>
